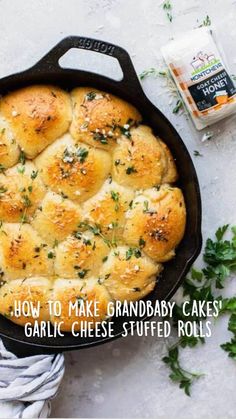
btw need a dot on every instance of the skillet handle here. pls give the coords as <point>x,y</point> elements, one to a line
<point>50,60</point>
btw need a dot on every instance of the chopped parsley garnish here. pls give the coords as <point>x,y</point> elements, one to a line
<point>179,105</point>
<point>125,130</point>
<point>82,154</point>
<point>79,236</point>
<point>90,96</point>
<point>69,156</point>
<point>26,201</point>
<point>133,252</point>
<point>167,7</point>
<point>146,206</point>
<point>205,22</point>
<point>116,196</point>
<point>102,138</point>
<point>51,255</point>
<point>141,242</point>
<point>22,157</point>
<point>153,72</point>
<point>130,169</point>
<point>34,174</point>
<point>197,154</point>
<point>147,210</point>
<point>83,273</point>
<point>21,169</point>
<point>96,230</point>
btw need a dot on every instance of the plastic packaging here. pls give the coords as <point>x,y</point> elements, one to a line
<point>201,76</point>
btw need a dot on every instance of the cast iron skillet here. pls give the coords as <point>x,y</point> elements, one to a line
<point>47,70</point>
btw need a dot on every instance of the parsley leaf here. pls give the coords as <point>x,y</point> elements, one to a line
<point>90,96</point>
<point>230,347</point>
<point>22,157</point>
<point>220,261</point>
<point>178,374</point>
<point>179,105</point>
<point>167,7</point>
<point>116,196</point>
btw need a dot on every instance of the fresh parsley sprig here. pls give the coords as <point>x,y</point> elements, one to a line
<point>179,375</point>
<point>229,306</point>
<point>170,84</point>
<point>153,72</point>
<point>201,285</point>
<point>230,347</point>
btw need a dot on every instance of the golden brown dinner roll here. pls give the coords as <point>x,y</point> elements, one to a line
<point>76,171</point>
<point>142,161</point>
<point>9,150</point>
<point>37,115</point>
<point>99,117</point>
<point>80,255</point>
<point>80,292</point>
<point>93,215</point>
<point>170,175</point>
<point>21,191</point>
<point>107,208</point>
<point>56,218</point>
<point>36,291</point>
<point>23,253</point>
<point>157,220</point>
<point>128,274</point>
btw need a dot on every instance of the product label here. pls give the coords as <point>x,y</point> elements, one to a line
<point>216,89</point>
<point>201,76</point>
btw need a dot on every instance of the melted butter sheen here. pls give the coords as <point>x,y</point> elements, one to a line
<point>88,210</point>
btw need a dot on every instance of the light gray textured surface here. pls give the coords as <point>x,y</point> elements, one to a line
<point>126,378</point>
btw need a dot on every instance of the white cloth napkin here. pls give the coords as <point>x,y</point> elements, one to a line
<point>28,384</point>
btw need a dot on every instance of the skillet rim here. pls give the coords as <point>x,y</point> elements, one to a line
<point>128,87</point>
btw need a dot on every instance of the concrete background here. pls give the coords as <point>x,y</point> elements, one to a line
<point>126,378</point>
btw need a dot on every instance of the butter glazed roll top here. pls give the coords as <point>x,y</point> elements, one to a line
<point>89,210</point>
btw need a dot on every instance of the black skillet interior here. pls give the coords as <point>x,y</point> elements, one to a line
<point>47,70</point>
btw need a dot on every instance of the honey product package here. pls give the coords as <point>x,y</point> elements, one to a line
<point>201,76</point>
